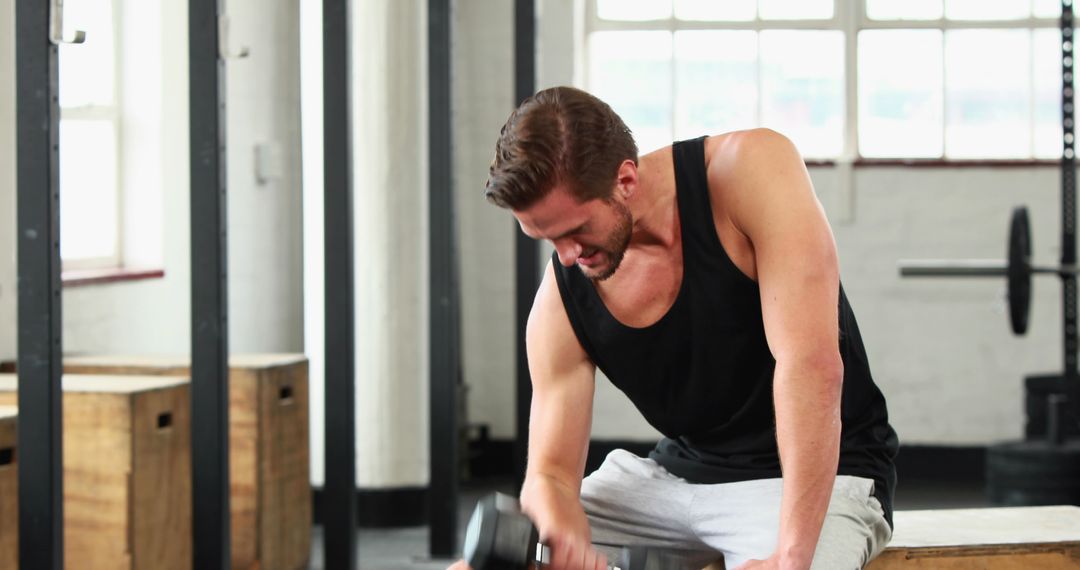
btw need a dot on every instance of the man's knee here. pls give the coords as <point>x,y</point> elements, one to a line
<point>850,540</point>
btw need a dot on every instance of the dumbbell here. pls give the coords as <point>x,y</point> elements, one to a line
<point>501,537</point>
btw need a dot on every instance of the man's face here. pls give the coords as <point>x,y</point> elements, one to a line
<point>594,234</point>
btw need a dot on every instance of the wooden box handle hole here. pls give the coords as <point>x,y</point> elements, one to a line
<point>7,456</point>
<point>286,394</point>
<point>164,421</point>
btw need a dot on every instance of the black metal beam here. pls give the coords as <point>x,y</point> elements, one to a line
<point>209,292</point>
<point>527,272</point>
<point>41,486</point>
<point>445,338</point>
<point>339,497</point>
<point>1068,194</point>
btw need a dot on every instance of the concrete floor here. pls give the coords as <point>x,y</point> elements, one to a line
<point>406,548</point>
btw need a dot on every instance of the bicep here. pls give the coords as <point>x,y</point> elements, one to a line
<point>562,379</point>
<point>795,256</point>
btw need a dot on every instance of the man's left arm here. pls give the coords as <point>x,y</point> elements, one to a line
<point>771,200</point>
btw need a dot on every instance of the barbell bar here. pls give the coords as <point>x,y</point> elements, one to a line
<point>1016,268</point>
<point>970,268</point>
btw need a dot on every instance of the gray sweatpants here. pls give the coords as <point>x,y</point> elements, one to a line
<point>632,500</point>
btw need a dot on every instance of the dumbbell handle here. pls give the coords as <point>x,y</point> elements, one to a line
<point>630,558</point>
<point>543,557</point>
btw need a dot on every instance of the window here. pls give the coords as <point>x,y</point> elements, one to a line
<point>937,79</point>
<point>89,127</point>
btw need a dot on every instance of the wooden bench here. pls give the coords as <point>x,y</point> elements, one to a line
<point>127,471</point>
<point>1011,538</point>
<point>9,490</point>
<point>269,464</point>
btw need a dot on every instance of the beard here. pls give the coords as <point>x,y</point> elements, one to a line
<point>614,247</point>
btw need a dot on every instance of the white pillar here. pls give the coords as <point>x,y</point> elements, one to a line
<point>390,190</point>
<point>7,181</point>
<point>389,108</point>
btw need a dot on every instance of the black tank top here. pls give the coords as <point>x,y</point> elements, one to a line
<point>703,374</point>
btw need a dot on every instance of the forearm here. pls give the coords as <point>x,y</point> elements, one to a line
<point>807,401</point>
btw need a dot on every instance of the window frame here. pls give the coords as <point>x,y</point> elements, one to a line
<point>109,113</point>
<point>850,18</point>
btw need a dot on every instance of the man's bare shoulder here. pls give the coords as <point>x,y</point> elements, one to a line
<point>549,334</point>
<point>738,152</point>
<point>749,170</point>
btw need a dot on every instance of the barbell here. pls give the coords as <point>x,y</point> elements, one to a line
<point>1016,268</point>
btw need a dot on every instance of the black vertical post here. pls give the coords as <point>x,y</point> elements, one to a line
<point>209,292</point>
<point>527,273</point>
<point>41,486</point>
<point>339,497</point>
<point>1068,193</point>
<point>444,341</point>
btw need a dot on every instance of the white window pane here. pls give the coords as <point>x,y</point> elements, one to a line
<point>1046,67</point>
<point>631,71</point>
<point>901,107</point>
<point>86,70</point>
<point>633,10</point>
<point>802,77</point>
<point>88,199</point>
<point>904,9</point>
<point>987,93</point>
<point>715,82</point>
<point>1047,8</point>
<point>987,9</point>
<point>730,10</point>
<point>796,9</point>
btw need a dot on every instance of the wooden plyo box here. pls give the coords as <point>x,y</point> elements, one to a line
<point>127,471</point>
<point>985,539</point>
<point>270,481</point>
<point>9,490</point>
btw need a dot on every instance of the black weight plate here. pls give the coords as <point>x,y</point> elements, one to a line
<point>1033,473</point>
<point>1019,270</point>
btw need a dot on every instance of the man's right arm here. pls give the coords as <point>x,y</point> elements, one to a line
<point>560,419</point>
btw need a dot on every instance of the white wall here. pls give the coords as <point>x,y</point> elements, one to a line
<point>265,221</point>
<point>942,350</point>
<point>7,180</point>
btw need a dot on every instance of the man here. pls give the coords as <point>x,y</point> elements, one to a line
<point>703,280</point>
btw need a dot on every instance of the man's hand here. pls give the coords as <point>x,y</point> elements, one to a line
<point>775,563</point>
<point>770,564</point>
<point>561,521</point>
<point>571,553</point>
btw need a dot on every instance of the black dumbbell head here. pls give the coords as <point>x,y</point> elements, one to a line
<point>499,536</point>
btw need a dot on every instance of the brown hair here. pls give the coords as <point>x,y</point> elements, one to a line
<point>560,135</point>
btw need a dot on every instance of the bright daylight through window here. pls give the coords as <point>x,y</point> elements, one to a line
<point>89,195</point>
<point>906,79</point>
